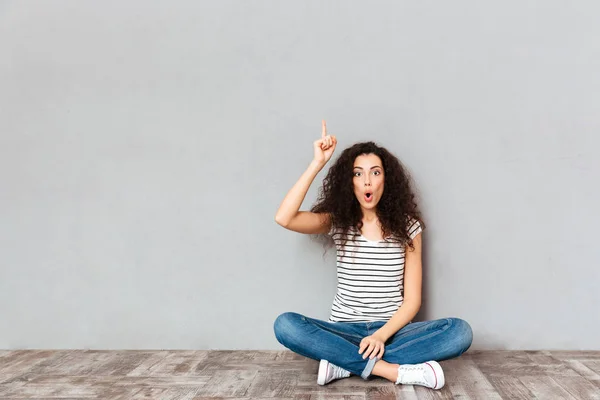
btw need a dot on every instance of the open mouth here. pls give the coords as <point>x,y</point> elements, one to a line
<point>368,196</point>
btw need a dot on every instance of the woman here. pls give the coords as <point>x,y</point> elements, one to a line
<point>367,206</point>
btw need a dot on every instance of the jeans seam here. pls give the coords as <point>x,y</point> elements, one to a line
<point>334,330</point>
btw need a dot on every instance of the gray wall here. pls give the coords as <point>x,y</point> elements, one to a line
<point>146,146</point>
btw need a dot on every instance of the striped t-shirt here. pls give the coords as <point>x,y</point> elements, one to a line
<point>370,277</point>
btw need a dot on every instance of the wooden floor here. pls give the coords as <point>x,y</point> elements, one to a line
<point>81,374</point>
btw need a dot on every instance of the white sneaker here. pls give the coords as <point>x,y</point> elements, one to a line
<point>329,372</point>
<point>429,374</point>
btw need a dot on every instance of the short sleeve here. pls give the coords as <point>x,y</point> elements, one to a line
<point>415,228</point>
<point>331,230</point>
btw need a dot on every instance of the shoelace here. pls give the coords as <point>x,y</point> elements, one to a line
<point>412,374</point>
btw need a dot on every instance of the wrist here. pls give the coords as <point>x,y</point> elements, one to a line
<point>317,164</point>
<point>381,336</point>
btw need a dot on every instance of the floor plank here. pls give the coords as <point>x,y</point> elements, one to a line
<point>282,374</point>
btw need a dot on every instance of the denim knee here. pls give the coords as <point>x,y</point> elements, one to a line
<point>284,326</point>
<point>463,334</point>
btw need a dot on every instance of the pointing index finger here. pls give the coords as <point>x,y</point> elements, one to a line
<point>324,133</point>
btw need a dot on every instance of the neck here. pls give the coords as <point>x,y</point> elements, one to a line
<point>369,215</point>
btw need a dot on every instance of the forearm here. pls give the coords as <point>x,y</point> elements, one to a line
<point>406,312</point>
<point>293,200</point>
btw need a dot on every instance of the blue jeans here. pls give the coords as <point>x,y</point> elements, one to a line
<point>338,342</point>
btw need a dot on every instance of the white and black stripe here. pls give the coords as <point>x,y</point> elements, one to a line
<point>370,277</point>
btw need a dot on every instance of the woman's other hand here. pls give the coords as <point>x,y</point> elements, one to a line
<point>373,346</point>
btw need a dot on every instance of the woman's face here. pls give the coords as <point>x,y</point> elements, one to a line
<point>368,180</point>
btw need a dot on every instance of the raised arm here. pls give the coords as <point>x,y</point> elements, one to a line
<point>289,215</point>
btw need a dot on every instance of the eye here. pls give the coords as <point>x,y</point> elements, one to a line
<point>357,172</point>
<point>377,172</point>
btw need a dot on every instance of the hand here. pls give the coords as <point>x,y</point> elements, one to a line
<point>324,146</point>
<point>373,345</point>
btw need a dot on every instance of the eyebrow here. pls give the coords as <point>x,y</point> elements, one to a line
<point>377,166</point>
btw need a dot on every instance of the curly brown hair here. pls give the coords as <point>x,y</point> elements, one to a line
<point>395,209</point>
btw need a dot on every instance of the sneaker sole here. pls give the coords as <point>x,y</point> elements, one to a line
<point>322,375</point>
